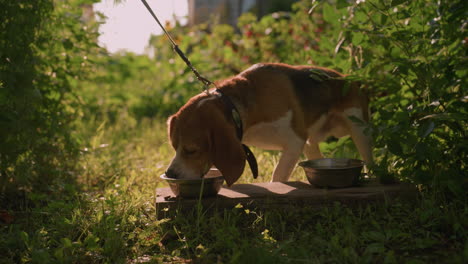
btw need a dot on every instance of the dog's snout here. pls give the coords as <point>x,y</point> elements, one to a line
<point>171,173</point>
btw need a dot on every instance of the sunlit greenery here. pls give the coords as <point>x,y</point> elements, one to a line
<point>83,136</point>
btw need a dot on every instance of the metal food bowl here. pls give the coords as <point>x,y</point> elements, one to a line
<point>335,173</point>
<point>190,188</point>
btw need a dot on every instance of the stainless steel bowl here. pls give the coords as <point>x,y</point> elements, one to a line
<point>335,173</point>
<point>190,188</point>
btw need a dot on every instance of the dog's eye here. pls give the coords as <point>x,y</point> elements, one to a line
<point>189,151</point>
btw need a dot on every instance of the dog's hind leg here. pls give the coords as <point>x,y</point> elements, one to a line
<point>287,162</point>
<point>362,141</point>
<point>312,151</point>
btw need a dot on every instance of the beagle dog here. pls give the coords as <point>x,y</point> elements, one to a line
<point>280,106</point>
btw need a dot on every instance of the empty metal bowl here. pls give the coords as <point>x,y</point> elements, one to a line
<point>190,188</point>
<point>335,173</point>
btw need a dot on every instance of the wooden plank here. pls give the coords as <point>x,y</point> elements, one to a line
<point>280,195</point>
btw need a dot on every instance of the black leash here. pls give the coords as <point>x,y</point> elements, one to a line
<point>205,81</point>
<point>234,112</point>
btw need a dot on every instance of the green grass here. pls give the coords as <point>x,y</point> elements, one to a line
<point>108,216</point>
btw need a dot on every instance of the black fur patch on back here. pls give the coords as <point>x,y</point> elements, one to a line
<point>315,92</point>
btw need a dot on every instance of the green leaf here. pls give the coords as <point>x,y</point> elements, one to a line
<point>343,3</point>
<point>383,19</point>
<point>390,257</point>
<point>66,243</point>
<point>91,242</point>
<point>345,88</point>
<point>397,2</point>
<point>319,75</point>
<point>421,151</point>
<point>330,15</point>
<point>395,147</point>
<point>357,38</point>
<point>25,237</point>
<point>426,128</point>
<point>316,77</point>
<point>67,44</point>
<point>356,120</point>
<point>376,236</point>
<point>375,248</point>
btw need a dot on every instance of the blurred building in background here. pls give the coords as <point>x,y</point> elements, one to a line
<point>227,11</point>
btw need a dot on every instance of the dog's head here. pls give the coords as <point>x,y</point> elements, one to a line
<point>202,136</point>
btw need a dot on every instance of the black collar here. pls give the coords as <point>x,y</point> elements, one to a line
<point>239,130</point>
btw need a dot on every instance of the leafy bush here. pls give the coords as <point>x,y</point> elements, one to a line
<point>43,52</point>
<point>413,55</point>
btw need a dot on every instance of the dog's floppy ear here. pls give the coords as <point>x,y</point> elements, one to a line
<point>228,155</point>
<point>171,122</point>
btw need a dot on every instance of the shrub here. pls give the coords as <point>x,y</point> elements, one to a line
<point>44,46</point>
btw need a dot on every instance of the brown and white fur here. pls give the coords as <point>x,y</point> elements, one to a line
<point>281,107</point>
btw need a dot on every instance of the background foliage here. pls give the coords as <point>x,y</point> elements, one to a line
<point>83,139</point>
